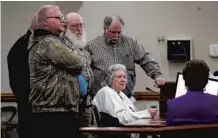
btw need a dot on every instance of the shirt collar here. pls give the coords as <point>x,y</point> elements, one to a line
<point>194,92</point>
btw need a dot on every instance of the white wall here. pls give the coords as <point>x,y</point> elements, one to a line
<point>148,20</point>
<point>15,21</point>
<point>144,20</point>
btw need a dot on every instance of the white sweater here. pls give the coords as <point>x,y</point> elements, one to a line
<point>107,100</point>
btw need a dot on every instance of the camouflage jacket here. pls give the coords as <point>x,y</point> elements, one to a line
<point>52,70</point>
<point>86,69</point>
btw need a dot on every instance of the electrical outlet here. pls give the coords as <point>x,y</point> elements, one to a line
<point>213,50</point>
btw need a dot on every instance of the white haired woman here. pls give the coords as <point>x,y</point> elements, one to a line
<point>111,100</point>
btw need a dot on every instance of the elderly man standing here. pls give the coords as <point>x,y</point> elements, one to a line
<point>18,69</point>
<point>76,37</point>
<point>54,95</point>
<point>114,47</point>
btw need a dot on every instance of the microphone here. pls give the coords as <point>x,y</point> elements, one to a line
<point>157,92</point>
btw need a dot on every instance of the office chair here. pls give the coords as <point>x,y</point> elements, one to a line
<point>7,115</point>
<point>215,73</point>
<point>106,120</point>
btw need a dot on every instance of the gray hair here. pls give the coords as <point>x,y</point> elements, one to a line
<point>43,13</point>
<point>33,22</point>
<point>108,20</point>
<point>112,70</point>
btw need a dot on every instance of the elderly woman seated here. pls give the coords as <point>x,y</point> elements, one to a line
<point>111,100</point>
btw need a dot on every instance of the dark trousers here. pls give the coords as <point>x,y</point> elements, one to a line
<point>24,120</point>
<point>55,125</point>
<point>85,115</point>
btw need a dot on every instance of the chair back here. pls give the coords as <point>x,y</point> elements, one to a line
<point>8,113</point>
<point>215,73</point>
<point>95,116</point>
<point>107,120</point>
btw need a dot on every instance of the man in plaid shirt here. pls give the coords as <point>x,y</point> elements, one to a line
<point>114,47</point>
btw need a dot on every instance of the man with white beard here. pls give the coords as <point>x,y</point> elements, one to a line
<point>75,31</point>
<point>75,35</point>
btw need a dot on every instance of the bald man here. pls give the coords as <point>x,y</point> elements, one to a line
<point>54,95</point>
<point>19,77</point>
<point>75,35</point>
<point>114,47</point>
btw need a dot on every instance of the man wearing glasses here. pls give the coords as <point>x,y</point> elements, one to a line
<point>76,36</point>
<point>54,96</point>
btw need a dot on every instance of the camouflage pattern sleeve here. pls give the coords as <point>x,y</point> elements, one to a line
<point>59,54</point>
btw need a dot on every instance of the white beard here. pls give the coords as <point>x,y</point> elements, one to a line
<point>78,42</point>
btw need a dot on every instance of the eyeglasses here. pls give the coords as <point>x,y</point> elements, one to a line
<point>61,18</point>
<point>74,26</point>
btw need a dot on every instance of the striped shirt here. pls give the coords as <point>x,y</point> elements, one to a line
<point>127,52</point>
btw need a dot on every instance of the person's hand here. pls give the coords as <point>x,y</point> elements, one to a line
<point>159,82</point>
<point>153,112</point>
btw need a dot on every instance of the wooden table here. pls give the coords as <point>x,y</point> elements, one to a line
<point>149,129</point>
<point>191,131</point>
<point>200,131</point>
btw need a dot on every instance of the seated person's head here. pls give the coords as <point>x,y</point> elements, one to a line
<point>117,77</point>
<point>196,74</point>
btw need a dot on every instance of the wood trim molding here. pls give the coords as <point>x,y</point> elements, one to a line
<point>9,97</point>
<point>146,95</point>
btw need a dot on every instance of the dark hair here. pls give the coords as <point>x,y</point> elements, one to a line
<point>108,20</point>
<point>196,74</point>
